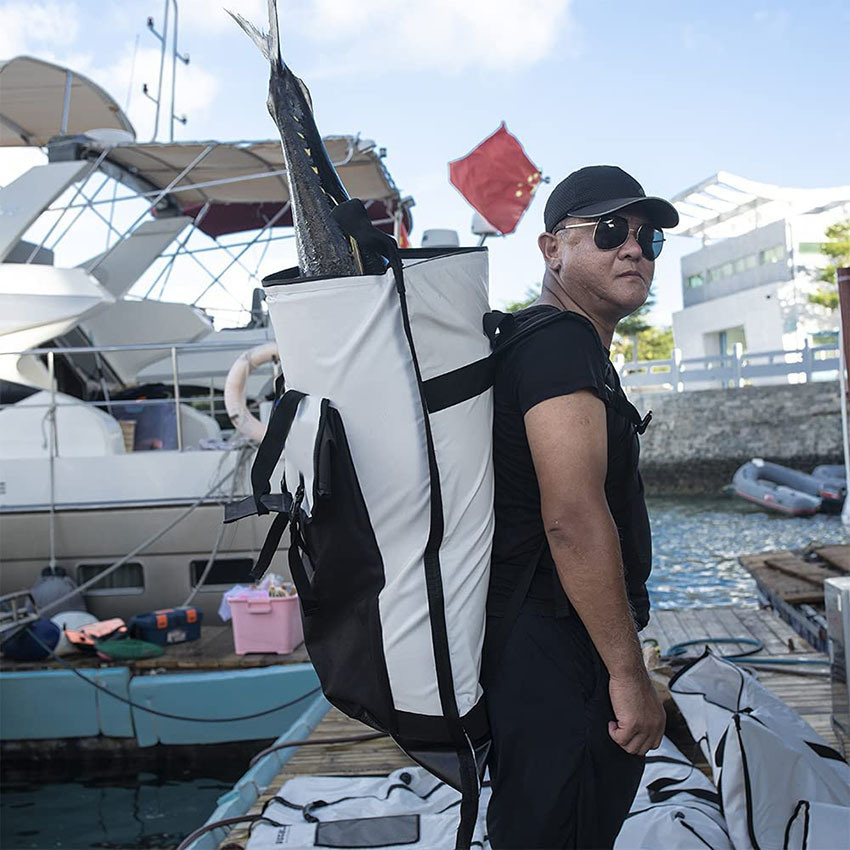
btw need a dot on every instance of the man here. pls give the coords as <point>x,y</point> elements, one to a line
<point>572,708</point>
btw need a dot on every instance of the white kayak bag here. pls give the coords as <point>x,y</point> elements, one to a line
<point>817,826</point>
<point>676,806</point>
<point>408,809</point>
<point>764,757</point>
<point>385,429</point>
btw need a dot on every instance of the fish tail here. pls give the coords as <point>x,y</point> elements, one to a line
<point>267,42</point>
<point>260,38</point>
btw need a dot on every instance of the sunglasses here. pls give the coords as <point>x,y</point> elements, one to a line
<point>613,230</point>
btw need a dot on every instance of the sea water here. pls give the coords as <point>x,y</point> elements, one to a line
<point>696,543</point>
<point>142,810</point>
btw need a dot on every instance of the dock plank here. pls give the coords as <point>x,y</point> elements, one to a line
<point>676,633</point>
<point>838,555</point>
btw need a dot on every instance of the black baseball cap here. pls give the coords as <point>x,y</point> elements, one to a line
<point>601,189</point>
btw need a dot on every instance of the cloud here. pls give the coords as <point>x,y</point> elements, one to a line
<point>27,25</point>
<point>210,15</point>
<point>773,21</point>
<point>443,35</point>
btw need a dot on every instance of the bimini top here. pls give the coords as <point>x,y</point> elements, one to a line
<point>39,100</point>
<point>727,205</point>
<point>233,186</point>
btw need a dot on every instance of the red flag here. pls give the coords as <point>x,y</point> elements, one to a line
<point>498,179</point>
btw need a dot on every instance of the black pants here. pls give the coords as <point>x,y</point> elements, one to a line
<point>558,779</point>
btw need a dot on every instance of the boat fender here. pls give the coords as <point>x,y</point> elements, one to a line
<point>70,620</point>
<point>53,584</point>
<point>33,643</point>
<point>234,389</point>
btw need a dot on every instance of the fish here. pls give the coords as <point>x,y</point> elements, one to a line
<point>314,184</point>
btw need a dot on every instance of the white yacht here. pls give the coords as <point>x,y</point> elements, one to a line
<point>116,452</point>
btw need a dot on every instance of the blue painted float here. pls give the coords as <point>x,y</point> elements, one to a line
<point>29,701</point>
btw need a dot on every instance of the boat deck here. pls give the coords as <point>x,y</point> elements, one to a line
<point>214,650</point>
<point>809,695</point>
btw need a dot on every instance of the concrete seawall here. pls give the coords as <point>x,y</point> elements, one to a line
<point>698,439</point>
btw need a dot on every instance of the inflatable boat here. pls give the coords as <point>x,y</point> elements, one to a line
<point>788,491</point>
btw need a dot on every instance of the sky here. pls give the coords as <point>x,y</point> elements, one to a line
<point>673,91</point>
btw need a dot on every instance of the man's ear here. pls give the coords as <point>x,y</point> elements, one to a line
<point>548,244</point>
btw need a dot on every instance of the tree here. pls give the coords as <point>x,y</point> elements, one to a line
<point>634,324</point>
<point>532,293</point>
<point>652,344</point>
<point>838,251</point>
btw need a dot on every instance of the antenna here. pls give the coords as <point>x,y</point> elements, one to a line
<point>162,37</point>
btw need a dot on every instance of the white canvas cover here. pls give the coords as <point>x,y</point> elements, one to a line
<point>344,340</point>
<point>765,758</point>
<point>408,804</point>
<point>676,806</point>
<point>818,826</point>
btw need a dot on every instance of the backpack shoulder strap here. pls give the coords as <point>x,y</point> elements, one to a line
<point>502,330</point>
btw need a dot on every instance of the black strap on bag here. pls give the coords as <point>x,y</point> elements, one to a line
<point>262,500</point>
<point>501,329</point>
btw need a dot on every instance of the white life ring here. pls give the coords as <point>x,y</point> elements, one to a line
<point>234,389</point>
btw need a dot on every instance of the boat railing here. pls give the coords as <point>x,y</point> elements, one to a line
<point>738,368</point>
<point>212,403</point>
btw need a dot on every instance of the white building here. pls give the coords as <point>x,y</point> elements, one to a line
<point>750,281</point>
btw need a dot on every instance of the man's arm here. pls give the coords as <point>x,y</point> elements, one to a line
<point>568,440</point>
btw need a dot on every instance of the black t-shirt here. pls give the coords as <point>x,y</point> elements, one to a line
<point>558,359</point>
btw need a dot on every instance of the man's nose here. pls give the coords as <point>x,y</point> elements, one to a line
<point>630,248</point>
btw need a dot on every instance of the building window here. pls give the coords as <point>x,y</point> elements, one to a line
<point>128,578</point>
<point>224,571</point>
<point>810,247</point>
<point>694,281</point>
<point>771,255</point>
<point>728,338</point>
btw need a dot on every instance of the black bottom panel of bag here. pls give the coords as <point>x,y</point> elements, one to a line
<point>444,763</point>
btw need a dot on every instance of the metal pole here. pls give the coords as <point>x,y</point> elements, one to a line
<point>159,196</point>
<point>177,398</point>
<point>66,106</point>
<point>161,69</point>
<point>76,194</point>
<point>217,279</point>
<point>51,419</point>
<point>843,281</point>
<point>173,75</point>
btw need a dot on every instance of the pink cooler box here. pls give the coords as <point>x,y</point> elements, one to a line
<point>266,625</point>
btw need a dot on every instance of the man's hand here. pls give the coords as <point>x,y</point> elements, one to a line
<point>640,721</point>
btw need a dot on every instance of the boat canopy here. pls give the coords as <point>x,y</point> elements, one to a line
<point>229,187</point>
<point>39,100</point>
<point>727,205</point>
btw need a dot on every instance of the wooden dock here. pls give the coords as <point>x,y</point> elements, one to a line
<point>809,695</point>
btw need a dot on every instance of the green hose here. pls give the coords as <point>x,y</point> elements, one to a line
<point>757,646</point>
